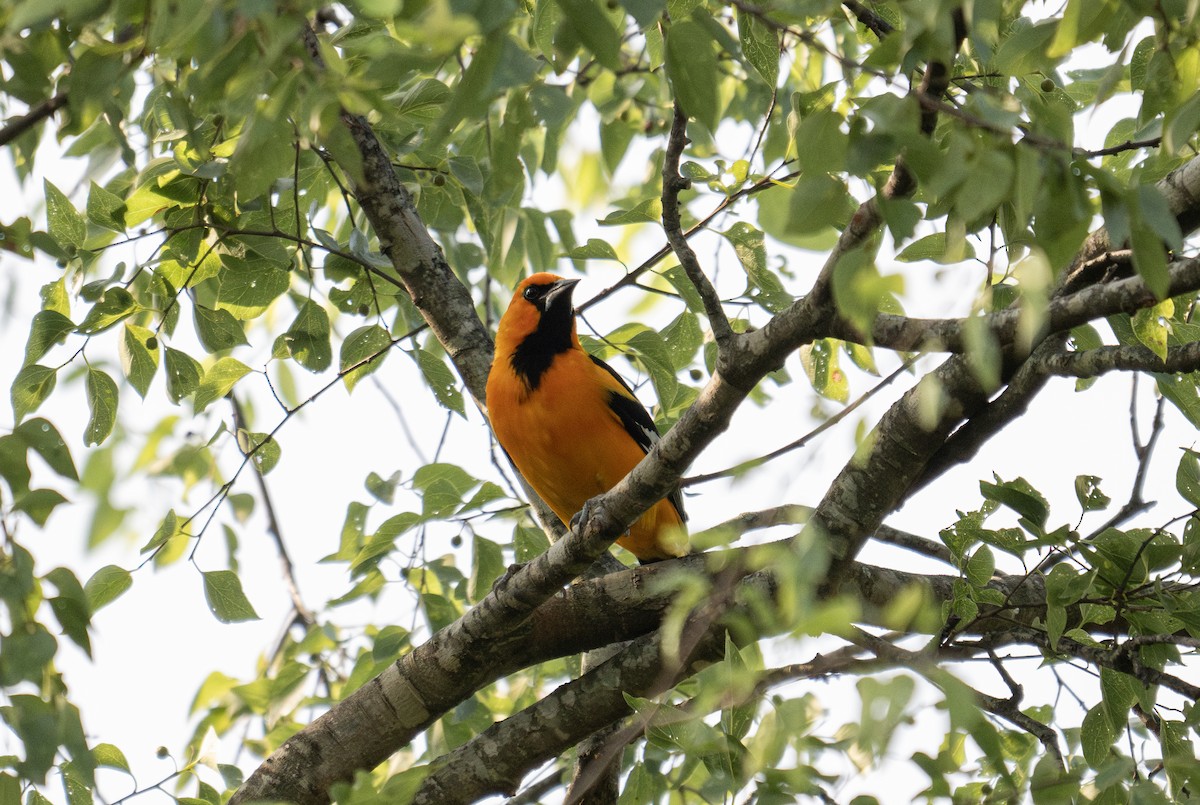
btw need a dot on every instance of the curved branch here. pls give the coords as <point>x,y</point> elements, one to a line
<point>673,183</point>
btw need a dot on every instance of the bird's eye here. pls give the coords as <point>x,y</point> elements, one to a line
<point>531,293</point>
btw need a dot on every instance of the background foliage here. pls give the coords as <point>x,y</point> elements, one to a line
<point>208,273</point>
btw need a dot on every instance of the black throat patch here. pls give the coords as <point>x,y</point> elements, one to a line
<point>533,356</point>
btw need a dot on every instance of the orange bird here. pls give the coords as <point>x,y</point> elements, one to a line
<point>567,420</point>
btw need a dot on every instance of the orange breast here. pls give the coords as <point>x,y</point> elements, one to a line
<point>570,447</point>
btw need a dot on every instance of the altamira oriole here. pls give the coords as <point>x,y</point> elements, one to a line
<point>570,424</point>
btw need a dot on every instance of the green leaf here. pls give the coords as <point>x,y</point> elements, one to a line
<point>487,564</point>
<point>1181,124</point>
<point>820,361</point>
<point>594,30</point>
<point>981,566</point>
<point>1187,477</point>
<point>168,528</point>
<point>63,221</point>
<point>218,381</point>
<point>70,607</point>
<point>102,402</point>
<point>106,585</point>
<point>441,381</point>
<point>934,247</point>
<point>383,490</point>
<point>760,46</point>
<point>38,504</point>
<point>106,209</point>
<point>218,329</point>
<point>820,143</point>
<point>183,374</point>
<point>116,304</point>
<point>1151,328</point>
<point>247,288</point>
<point>30,389</point>
<point>594,249</point>
<point>362,352</point>
<point>111,757</point>
<point>1019,496</point>
<point>44,439</point>
<point>1119,692</point>
<point>49,327</point>
<point>1150,260</point>
<point>816,201</point>
<point>692,69</point>
<point>861,292</point>
<point>1087,491</point>
<point>749,246</point>
<point>138,360</point>
<point>226,600</point>
<point>647,212</point>
<point>265,449</point>
<point>1096,736</point>
<point>264,154</point>
<point>308,338</point>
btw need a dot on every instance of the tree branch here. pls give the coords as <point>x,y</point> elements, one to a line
<point>673,183</point>
<point>1128,358</point>
<point>17,126</point>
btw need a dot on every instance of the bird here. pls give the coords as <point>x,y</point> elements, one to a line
<point>567,421</point>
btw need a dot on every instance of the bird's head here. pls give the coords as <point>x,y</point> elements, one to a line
<point>540,306</point>
<point>539,323</point>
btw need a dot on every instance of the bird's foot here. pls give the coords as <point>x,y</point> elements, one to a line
<point>583,515</point>
<point>502,582</point>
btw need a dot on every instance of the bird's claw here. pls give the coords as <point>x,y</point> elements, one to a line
<point>582,516</point>
<point>510,571</point>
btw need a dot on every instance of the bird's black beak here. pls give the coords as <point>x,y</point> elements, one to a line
<point>558,298</point>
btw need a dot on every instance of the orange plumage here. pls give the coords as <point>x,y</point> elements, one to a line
<point>569,423</point>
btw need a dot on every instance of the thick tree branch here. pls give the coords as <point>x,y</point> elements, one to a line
<point>438,294</point>
<point>1127,295</point>
<point>1128,358</point>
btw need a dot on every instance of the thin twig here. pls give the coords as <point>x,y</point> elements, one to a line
<point>303,613</point>
<point>737,469</point>
<point>17,126</point>
<point>673,183</point>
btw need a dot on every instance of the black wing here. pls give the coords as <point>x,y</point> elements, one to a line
<point>638,423</point>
